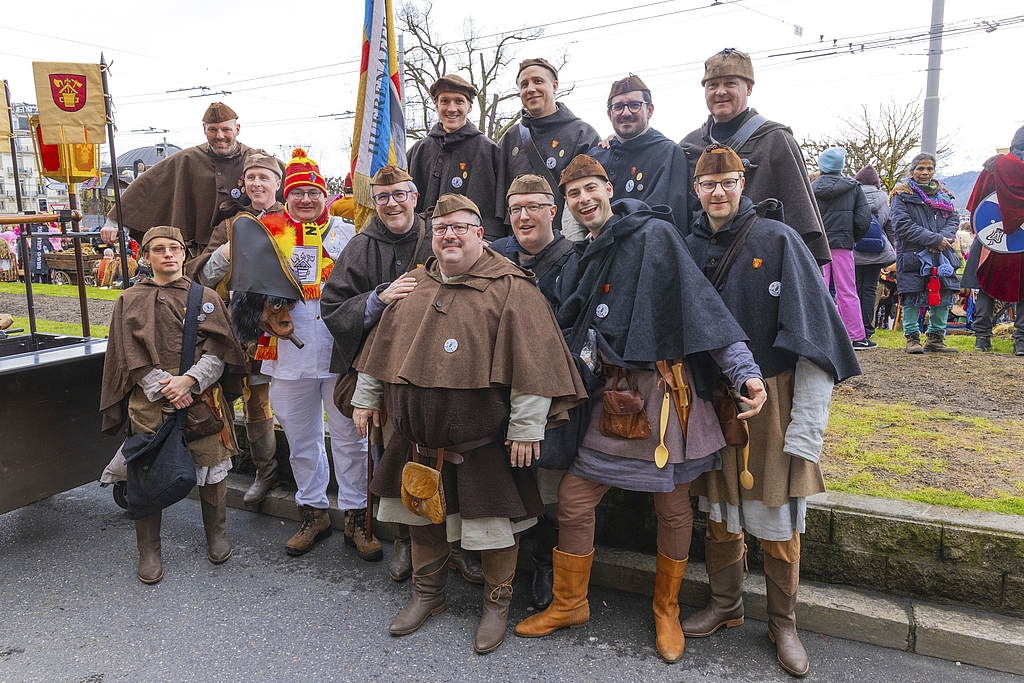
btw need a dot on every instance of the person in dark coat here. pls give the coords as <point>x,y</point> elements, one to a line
<point>868,265</point>
<point>775,167</point>
<point>925,223</point>
<point>456,157</point>
<point>846,216</point>
<point>797,339</point>
<point>641,162</point>
<point>558,134</point>
<point>636,268</point>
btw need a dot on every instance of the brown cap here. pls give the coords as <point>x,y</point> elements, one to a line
<point>717,159</point>
<point>582,167</point>
<point>537,61</point>
<point>260,159</point>
<point>389,175</point>
<point>453,83</point>
<point>630,83</point>
<point>161,231</point>
<point>728,62</point>
<point>529,184</point>
<point>218,112</point>
<point>450,203</point>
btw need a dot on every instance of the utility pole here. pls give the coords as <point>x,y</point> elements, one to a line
<point>930,122</point>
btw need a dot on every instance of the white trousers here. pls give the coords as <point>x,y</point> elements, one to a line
<point>299,405</point>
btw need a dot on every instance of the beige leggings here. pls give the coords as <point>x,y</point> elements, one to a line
<point>786,551</point>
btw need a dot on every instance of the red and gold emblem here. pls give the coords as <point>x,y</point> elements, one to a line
<point>68,91</point>
<point>757,263</point>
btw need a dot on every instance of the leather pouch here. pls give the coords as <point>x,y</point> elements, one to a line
<point>623,415</point>
<point>725,408</point>
<point>422,489</point>
<point>201,420</point>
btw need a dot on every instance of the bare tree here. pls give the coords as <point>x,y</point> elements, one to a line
<point>482,59</point>
<point>884,140</point>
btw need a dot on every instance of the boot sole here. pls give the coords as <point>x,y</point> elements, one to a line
<point>729,623</point>
<point>374,556</point>
<point>150,582</point>
<point>302,551</point>
<point>490,649</point>
<point>262,498</point>
<point>400,578</point>
<point>548,633</point>
<point>221,560</point>
<point>798,674</point>
<point>432,613</point>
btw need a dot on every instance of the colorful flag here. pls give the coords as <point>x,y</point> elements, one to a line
<point>70,101</point>
<point>378,138</point>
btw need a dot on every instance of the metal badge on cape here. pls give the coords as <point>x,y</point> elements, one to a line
<point>987,222</point>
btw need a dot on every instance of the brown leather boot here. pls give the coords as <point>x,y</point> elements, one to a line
<point>499,568</point>
<point>147,535</point>
<point>316,525</point>
<point>430,572</point>
<point>914,343</point>
<point>936,344</point>
<point>400,568</point>
<point>781,581</point>
<point>463,562</point>
<point>263,449</point>
<point>569,606</point>
<point>368,547</point>
<point>669,640</point>
<point>725,579</point>
<point>213,500</point>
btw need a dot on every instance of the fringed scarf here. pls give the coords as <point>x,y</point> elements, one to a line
<point>935,196</point>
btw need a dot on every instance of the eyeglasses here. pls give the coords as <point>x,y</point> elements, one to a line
<point>299,194</point>
<point>398,195</point>
<point>457,228</point>
<point>729,184</point>
<point>634,107</point>
<point>532,209</point>
<point>171,249</point>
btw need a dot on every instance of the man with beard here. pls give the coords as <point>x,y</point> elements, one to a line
<point>772,158</point>
<point>468,388</point>
<point>636,268</point>
<point>771,284</point>
<point>641,162</point>
<point>187,189</point>
<point>372,272</point>
<point>545,140</point>
<point>456,157</point>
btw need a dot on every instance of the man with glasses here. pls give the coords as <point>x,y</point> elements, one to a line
<point>465,386</point>
<point>772,159</point>
<point>641,162</point>
<point>544,141</point>
<point>456,157</point>
<point>372,272</point>
<point>302,389</point>
<point>774,289</point>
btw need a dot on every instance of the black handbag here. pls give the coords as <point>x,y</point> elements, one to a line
<point>161,470</point>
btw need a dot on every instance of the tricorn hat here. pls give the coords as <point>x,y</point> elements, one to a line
<point>161,231</point>
<point>728,62</point>
<point>453,83</point>
<point>258,264</point>
<point>450,203</point>
<point>630,83</point>
<point>582,166</point>
<point>529,184</point>
<point>389,175</point>
<point>537,61</point>
<point>218,112</point>
<point>717,158</point>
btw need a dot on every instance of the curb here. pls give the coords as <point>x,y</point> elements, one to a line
<point>957,634</point>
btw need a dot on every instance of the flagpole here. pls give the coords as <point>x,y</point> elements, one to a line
<point>14,150</point>
<point>115,175</point>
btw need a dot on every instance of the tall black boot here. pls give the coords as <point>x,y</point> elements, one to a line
<point>545,538</point>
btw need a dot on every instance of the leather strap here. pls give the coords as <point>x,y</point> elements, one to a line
<point>741,136</point>
<point>188,337</point>
<point>539,167</point>
<point>732,253</point>
<point>452,454</point>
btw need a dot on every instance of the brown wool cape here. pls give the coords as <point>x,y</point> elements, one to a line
<point>184,190</point>
<point>145,333</point>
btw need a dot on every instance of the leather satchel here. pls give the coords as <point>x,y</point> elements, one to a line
<point>623,415</point>
<point>727,412</point>
<point>422,489</point>
<point>201,420</point>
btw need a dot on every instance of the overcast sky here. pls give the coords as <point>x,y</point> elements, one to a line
<point>234,47</point>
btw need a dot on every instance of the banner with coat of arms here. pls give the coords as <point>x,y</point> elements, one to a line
<point>70,101</point>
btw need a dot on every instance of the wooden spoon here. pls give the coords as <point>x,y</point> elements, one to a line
<point>746,478</point>
<point>661,453</point>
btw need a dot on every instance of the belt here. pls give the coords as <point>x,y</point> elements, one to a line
<point>453,454</point>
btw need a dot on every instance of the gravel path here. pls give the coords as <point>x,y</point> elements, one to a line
<point>64,309</point>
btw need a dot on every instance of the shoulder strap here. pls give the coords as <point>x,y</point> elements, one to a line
<point>733,252</point>
<point>746,130</point>
<point>539,167</point>
<point>419,242</point>
<point>188,339</point>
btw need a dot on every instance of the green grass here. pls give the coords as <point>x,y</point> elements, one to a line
<point>60,290</point>
<point>51,327</point>
<point>866,484</point>
<point>894,339</point>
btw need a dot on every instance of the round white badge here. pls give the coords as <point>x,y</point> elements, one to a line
<point>208,307</point>
<point>775,288</point>
<point>515,151</point>
<point>236,193</point>
<point>456,182</point>
<point>639,188</point>
<point>451,345</point>
<point>629,185</point>
<point>602,310</point>
<point>550,163</point>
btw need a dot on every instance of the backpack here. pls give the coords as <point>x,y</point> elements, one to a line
<point>873,241</point>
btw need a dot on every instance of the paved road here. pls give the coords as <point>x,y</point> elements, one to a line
<point>71,610</point>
